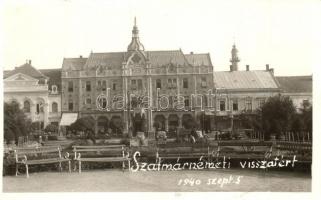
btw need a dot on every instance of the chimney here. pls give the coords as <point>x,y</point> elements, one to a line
<point>29,62</point>
<point>247,67</point>
<point>192,53</point>
<point>231,68</point>
<point>80,56</point>
<point>272,71</point>
<point>267,67</point>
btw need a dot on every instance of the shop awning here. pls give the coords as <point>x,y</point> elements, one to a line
<point>68,118</point>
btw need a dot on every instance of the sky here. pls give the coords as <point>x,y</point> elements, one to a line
<point>282,33</point>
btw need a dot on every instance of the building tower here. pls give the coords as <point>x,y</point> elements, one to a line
<point>135,44</point>
<point>235,59</point>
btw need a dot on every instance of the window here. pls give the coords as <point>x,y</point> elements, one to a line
<point>186,101</point>
<point>205,101</point>
<point>54,107</point>
<point>54,89</point>
<point>133,84</point>
<point>222,105</point>
<point>261,102</point>
<point>140,84</point>
<point>203,82</point>
<point>158,83</point>
<point>88,101</point>
<point>104,86</point>
<point>88,86</point>
<point>235,105</point>
<point>174,83</point>
<point>70,86</point>
<point>39,108</point>
<point>70,106</point>
<point>185,83</point>
<point>114,86</point>
<point>26,106</point>
<point>169,83</point>
<point>248,104</point>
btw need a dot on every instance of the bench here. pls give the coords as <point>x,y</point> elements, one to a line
<point>176,154</point>
<point>39,155</point>
<point>106,153</point>
<point>244,149</point>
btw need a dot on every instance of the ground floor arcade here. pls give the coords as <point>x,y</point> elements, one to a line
<point>123,124</point>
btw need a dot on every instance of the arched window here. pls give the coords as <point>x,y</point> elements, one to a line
<point>54,107</point>
<point>26,106</point>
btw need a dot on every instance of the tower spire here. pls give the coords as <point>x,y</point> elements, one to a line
<point>235,59</point>
<point>135,44</point>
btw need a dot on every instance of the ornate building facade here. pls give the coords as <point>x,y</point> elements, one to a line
<point>143,89</point>
<point>36,93</point>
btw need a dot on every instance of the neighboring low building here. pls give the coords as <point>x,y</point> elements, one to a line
<point>36,91</point>
<point>298,88</point>
<point>241,92</point>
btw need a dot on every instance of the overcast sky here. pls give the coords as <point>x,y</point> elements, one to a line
<point>284,34</point>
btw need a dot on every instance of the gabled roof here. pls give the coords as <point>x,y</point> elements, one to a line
<point>54,77</point>
<point>20,77</point>
<point>27,69</point>
<point>199,59</point>
<point>245,80</point>
<point>295,84</point>
<point>71,64</point>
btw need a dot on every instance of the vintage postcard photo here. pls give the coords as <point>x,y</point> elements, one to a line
<point>158,96</point>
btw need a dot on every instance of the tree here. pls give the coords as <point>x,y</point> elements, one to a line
<point>51,128</point>
<point>306,116</point>
<point>83,124</point>
<point>277,115</point>
<point>15,121</point>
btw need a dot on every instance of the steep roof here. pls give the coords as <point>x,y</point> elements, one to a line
<point>245,80</point>
<point>71,64</point>
<point>199,59</point>
<point>115,59</point>
<point>295,84</point>
<point>111,59</point>
<point>27,69</point>
<point>162,58</point>
<point>54,77</point>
